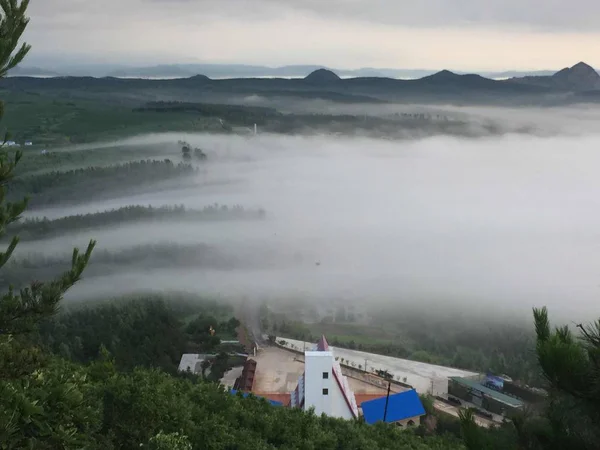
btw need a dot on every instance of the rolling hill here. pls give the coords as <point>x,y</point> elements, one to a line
<point>566,86</point>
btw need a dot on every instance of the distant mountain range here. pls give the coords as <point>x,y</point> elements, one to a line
<point>577,84</point>
<point>241,71</point>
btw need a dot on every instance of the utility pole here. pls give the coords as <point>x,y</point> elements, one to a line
<point>387,400</point>
<point>366,365</point>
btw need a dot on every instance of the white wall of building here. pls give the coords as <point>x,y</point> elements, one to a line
<point>332,403</point>
<point>316,364</point>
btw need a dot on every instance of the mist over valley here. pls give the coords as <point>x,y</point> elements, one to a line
<point>496,223</point>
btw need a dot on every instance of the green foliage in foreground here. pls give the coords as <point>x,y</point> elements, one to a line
<point>69,406</point>
<point>571,366</point>
<point>571,417</point>
<point>56,404</point>
<point>82,184</point>
<point>33,229</point>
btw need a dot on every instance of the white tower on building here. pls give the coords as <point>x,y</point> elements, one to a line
<point>322,385</point>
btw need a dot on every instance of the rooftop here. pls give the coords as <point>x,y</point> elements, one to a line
<point>400,407</point>
<point>246,394</point>
<point>318,353</point>
<point>191,362</point>
<point>511,401</point>
<point>282,398</point>
<point>361,398</point>
<point>322,345</point>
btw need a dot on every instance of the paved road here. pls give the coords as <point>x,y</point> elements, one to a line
<point>251,319</point>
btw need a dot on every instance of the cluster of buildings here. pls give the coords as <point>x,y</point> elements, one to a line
<point>25,144</point>
<point>323,388</point>
<point>310,377</point>
<point>494,394</point>
<point>15,144</point>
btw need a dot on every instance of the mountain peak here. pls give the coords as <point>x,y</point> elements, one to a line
<point>582,66</point>
<point>200,77</point>
<point>443,75</point>
<point>322,76</point>
<point>580,76</point>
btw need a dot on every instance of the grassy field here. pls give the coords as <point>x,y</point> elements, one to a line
<point>48,120</point>
<point>68,158</point>
<point>359,334</point>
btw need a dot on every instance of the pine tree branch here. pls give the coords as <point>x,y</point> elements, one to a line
<point>20,313</point>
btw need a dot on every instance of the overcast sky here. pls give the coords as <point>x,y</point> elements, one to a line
<point>431,34</point>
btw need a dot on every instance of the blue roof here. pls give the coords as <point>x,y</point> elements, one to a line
<point>400,407</point>
<point>246,394</point>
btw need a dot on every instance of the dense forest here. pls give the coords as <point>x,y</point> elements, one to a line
<point>236,114</point>
<point>80,184</point>
<point>143,331</point>
<point>163,255</point>
<point>41,228</point>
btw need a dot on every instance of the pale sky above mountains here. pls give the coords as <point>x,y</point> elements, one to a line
<point>455,34</point>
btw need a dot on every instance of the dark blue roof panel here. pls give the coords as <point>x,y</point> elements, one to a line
<point>401,406</point>
<point>246,394</point>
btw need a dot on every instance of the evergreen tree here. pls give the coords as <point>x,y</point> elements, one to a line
<point>571,419</point>
<point>571,366</point>
<point>19,312</point>
<point>36,411</point>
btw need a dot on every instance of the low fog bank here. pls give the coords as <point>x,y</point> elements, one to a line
<point>496,225</point>
<point>431,292</point>
<point>541,121</point>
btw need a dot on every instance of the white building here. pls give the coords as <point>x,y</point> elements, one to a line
<point>322,385</point>
<point>192,362</point>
